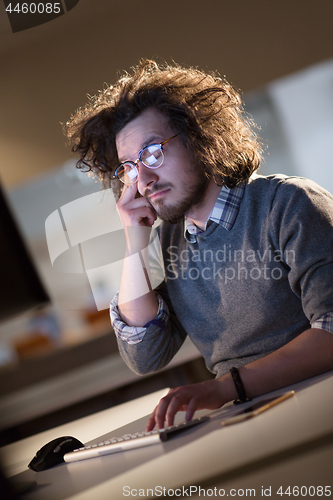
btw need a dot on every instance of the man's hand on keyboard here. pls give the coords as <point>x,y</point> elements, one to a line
<point>204,395</point>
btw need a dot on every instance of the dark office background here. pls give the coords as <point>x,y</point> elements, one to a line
<point>47,71</point>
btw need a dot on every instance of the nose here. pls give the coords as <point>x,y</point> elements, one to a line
<point>147,177</point>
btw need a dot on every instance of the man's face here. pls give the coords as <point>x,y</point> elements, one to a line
<point>175,187</point>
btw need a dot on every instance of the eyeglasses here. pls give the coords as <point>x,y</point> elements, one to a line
<point>151,156</point>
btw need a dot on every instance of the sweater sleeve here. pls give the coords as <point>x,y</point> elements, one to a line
<point>302,217</point>
<point>149,348</point>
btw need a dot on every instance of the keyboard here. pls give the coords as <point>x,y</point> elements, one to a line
<point>130,441</point>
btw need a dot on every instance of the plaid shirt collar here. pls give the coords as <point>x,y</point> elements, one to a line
<point>224,212</point>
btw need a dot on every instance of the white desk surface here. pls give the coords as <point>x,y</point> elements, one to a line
<point>203,453</point>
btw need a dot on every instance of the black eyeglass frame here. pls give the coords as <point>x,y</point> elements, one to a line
<point>134,163</point>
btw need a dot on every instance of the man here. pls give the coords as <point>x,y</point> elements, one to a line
<point>248,259</point>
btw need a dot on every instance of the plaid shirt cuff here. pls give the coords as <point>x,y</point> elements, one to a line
<point>135,334</point>
<point>324,322</point>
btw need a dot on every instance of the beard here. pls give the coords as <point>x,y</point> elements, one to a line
<point>193,197</point>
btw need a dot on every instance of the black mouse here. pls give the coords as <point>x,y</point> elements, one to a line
<point>52,453</point>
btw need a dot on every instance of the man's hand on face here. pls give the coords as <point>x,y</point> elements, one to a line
<point>135,211</point>
<point>189,398</point>
<point>137,217</point>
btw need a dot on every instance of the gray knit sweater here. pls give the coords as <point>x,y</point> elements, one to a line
<point>243,293</point>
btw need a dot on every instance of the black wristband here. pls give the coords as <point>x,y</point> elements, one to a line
<point>242,398</point>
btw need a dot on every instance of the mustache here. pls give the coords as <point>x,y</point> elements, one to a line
<point>158,187</point>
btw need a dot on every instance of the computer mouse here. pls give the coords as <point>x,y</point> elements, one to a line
<point>52,453</point>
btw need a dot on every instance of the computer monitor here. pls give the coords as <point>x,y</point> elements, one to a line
<point>20,286</point>
<point>20,289</point>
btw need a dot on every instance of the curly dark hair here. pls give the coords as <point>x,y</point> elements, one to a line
<point>203,109</point>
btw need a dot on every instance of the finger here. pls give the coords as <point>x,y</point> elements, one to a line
<point>151,422</point>
<point>136,210</point>
<point>191,409</point>
<point>160,411</point>
<point>128,193</point>
<point>177,403</point>
<point>137,202</point>
<point>142,215</point>
<point>151,215</point>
